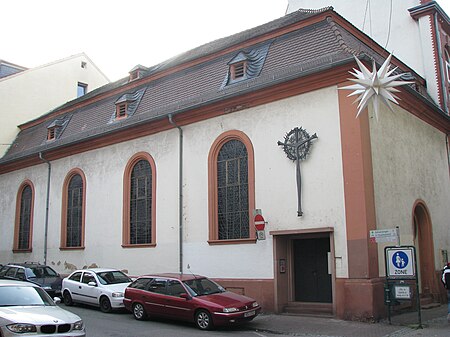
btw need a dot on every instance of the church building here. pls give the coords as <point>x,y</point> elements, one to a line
<point>247,161</point>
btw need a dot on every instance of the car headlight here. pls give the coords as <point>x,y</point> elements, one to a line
<point>255,304</point>
<point>230,309</point>
<point>117,294</point>
<point>78,325</point>
<point>21,328</point>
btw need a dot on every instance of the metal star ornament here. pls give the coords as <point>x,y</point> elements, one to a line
<point>373,87</point>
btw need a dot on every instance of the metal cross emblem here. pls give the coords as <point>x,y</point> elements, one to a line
<point>296,145</point>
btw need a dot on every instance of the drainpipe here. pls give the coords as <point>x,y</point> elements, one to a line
<point>180,189</point>
<point>46,206</point>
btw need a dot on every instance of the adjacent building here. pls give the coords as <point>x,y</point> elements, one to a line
<point>164,171</point>
<point>26,94</point>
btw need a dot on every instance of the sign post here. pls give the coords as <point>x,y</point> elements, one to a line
<point>401,266</point>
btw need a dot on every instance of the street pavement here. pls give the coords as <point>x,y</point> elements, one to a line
<point>122,324</point>
<point>434,324</point>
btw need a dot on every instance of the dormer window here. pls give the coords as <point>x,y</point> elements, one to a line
<point>246,65</point>
<point>137,72</point>
<point>126,105</point>
<point>56,128</point>
<point>134,75</point>
<point>121,110</point>
<point>51,133</point>
<point>238,70</point>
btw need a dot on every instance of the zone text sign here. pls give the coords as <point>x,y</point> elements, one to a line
<point>400,262</point>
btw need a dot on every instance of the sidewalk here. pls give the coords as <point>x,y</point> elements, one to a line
<point>434,322</point>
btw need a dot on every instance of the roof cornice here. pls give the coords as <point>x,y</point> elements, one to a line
<point>431,8</point>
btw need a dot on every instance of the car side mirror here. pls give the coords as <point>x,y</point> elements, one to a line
<point>57,300</point>
<point>185,296</point>
<point>92,284</point>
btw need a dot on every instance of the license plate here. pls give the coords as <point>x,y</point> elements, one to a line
<point>250,313</point>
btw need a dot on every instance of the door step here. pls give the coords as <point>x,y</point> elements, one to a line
<point>309,309</point>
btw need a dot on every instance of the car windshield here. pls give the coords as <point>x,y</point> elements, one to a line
<point>41,272</point>
<point>203,286</point>
<point>24,296</point>
<point>113,277</point>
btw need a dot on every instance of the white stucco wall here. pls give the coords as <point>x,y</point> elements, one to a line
<point>27,95</point>
<point>403,37</point>
<point>410,164</point>
<point>275,183</point>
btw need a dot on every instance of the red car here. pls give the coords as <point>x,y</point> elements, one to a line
<point>188,297</point>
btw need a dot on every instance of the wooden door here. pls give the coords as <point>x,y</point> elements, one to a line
<point>312,280</point>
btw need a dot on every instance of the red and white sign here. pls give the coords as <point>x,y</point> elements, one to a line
<point>260,224</point>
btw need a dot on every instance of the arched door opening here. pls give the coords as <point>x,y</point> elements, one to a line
<point>423,241</point>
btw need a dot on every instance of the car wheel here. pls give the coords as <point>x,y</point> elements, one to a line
<point>203,320</point>
<point>67,299</point>
<point>139,312</point>
<point>105,304</point>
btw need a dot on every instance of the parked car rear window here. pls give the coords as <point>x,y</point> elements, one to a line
<point>75,277</point>
<point>141,283</point>
<point>88,278</point>
<point>42,272</point>
<point>3,271</point>
<point>158,286</point>
<point>11,272</point>
<point>174,288</point>
<point>113,277</point>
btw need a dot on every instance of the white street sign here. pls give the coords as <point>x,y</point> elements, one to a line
<point>402,292</point>
<point>384,235</point>
<point>261,235</point>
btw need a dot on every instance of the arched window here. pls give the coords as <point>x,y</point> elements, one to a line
<point>231,189</point>
<point>139,227</point>
<point>23,228</point>
<point>73,210</point>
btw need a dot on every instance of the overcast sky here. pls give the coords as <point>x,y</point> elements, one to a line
<point>119,34</point>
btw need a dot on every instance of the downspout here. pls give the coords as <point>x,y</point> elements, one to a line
<point>180,189</point>
<point>46,206</point>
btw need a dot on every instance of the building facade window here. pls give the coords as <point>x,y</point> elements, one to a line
<point>51,133</point>
<point>73,210</point>
<point>238,70</point>
<point>139,227</point>
<point>121,110</point>
<point>23,228</point>
<point>81,89</point>
<point>231,189</point>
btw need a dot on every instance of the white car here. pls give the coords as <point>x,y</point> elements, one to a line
<point>27,309</point>
<point>100,287</point>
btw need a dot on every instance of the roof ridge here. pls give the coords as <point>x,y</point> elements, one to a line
<point>314,11</point>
